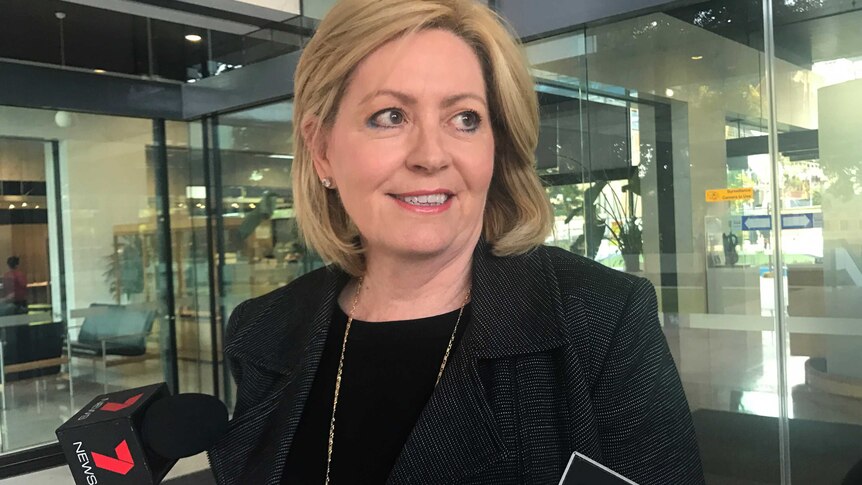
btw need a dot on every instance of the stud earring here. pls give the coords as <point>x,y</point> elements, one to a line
<point>327,182</point>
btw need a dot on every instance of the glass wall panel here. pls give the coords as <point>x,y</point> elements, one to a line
<point>31,323</point>
<point>654,148</point>
<point>93,264</point>
<point>190,258</point>
<point>261,248</point>
<point>821,197</point>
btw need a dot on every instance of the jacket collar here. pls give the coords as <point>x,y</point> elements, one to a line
<point>506,293</point>
<point>516,309</point>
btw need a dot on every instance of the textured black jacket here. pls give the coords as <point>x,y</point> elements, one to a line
<point>561,354</point>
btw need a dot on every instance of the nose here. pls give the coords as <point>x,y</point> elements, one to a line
<point>428,152</point>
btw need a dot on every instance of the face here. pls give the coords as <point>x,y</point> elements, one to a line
<point>411,151</point>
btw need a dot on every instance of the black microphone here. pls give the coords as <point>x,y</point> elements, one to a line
<point>184,425</point>
<point>134,437</point>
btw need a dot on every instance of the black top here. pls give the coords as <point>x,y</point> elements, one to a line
<point>389,373</point>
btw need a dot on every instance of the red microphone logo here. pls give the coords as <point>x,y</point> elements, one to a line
<point>116,406</point>
<point>121,464</point>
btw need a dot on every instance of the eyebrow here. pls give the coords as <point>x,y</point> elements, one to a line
<point>410,100</point>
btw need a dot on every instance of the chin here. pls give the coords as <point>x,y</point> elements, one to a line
<point>421,244</point>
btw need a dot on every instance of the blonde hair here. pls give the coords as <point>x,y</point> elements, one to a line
<point>517,212</point>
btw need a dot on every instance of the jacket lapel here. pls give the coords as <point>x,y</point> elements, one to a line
<point>515,308</point>
<point>291,358</point>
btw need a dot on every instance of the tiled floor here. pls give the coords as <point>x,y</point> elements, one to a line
<point>730,370</point>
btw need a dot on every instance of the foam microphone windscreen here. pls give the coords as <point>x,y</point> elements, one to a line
<point>184,425</point>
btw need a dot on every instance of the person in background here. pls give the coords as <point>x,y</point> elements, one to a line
<point>445,344</point>
<point>15,286</point>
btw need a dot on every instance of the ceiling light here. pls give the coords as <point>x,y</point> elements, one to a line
<point>696,58</point>
<point>11,206</point>
<point>286,157</point>
<point>37,207</point>
<point>99,71</point>
<point>668,92</point>
<point>252,205</point>
<point>193,38</point>
<point>23,204</point>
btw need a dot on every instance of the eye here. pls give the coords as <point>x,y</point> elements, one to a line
<point>467,121</point>
<point>387,118</point>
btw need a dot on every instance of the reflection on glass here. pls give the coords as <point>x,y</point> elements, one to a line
<point>262,248</point>
<point>95,317</point>
<point>31,326</point>
<point>820,187</point>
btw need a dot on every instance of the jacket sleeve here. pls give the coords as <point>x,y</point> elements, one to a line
<point>645,424</point>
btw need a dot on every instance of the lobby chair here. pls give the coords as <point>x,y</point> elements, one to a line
<point>114,335</point>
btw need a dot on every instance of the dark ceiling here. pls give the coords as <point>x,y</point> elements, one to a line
<point>94,38</point>
<point>806,31</point>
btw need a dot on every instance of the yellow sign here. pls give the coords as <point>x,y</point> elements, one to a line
<point>721,195</point>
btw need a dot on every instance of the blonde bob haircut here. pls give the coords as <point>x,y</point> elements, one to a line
<point>517,214</point>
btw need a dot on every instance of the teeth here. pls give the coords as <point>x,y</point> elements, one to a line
<point>426,200</point>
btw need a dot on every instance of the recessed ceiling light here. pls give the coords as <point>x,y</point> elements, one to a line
<point>23,204</point>
<point>99,71</point>
<point>37,207</point>
<point>11,206</point>
<point>668,92</point>
<point>194,38</point>
<point>696,58</point>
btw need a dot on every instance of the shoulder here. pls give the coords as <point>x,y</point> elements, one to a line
<point>587,280</point>
<point>600,306</point>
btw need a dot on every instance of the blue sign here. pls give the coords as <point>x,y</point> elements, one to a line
<point>756,223</point>
<point>797,221</point>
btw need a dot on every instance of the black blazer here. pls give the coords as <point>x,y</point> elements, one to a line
<point>560,354</point>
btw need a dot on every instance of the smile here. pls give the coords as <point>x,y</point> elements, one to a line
<point>424,200</point>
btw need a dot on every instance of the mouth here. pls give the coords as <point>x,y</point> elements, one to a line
<point>424,199</point>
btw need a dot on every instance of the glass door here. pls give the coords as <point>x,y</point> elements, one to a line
<point>88,263</point>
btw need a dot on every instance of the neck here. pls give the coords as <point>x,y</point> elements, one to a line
<point>402,289</point>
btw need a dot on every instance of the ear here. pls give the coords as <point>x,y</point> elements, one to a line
<point>315,137</point>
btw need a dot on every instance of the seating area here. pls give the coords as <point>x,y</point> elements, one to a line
<point>109,335</point>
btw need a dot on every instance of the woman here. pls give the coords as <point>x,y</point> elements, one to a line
<point>444,344</point>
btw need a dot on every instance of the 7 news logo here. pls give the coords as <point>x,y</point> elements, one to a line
<point>120,464</point>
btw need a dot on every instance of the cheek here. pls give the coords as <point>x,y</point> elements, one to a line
<point>361,169</point>
<point>483,170</point>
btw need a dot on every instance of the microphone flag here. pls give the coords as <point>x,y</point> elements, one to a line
<point>102,441</point>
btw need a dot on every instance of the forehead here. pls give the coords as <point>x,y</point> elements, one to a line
<point>432,62</point>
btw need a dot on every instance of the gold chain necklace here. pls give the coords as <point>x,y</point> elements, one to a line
<point>341,366</point>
